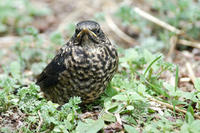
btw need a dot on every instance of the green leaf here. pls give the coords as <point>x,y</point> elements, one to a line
<point>60,128</point>
<point>184,128</point>
<point>148,56</point>
<point>190,109</point>
<point>197,84</point>
<point>110,91</point>
<point>148,68</point>
<point>130,129</point>
<point>189,118</point>
<point>108,117</point>
<point>141,89</point>
<point>113,107</point>
<point>158,89</point>
<point>31,30</point>
<point>130,107</point>
<point>120,97</point>
<point>56,38</point>
<point>129,119</point>
<point>15,69</point>
<point>90,126</point>
<point>195,126</point>
<point>190,96</point>
<point>176,79</point>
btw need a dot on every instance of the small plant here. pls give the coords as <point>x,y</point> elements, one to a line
<point>140,98</point>
<point>17,14</point>
<point>128,96</point>
<point>182,14</point>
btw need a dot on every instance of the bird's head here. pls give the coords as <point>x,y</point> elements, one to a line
<point>88,32</point>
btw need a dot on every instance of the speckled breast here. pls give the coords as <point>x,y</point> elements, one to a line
<point>88,72</point>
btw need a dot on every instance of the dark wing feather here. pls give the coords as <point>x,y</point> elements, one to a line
<point>49,77</point>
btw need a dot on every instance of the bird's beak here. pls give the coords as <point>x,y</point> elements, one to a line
<point>86,31</point>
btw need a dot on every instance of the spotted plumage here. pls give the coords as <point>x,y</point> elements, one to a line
<point>83,66</point>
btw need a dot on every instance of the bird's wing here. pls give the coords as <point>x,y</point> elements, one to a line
<point>49,76</point>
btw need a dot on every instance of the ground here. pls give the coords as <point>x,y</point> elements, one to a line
<point>156,89</point>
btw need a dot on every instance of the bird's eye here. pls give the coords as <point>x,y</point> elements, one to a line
<point>77,31</point>
<point>96,31</point>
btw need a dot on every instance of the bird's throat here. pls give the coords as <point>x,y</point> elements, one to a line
<point>87,40</point>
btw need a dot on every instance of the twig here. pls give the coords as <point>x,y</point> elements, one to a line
<point>173,41</point>
<point>88,115</point>
<point>157,21</point>
<point>118,118</point>
<point>190,71</point>
<point>7,41</point>
<point>186,79</point>
<point>118,31</point>
<point>168,27</point>
<point>189,43</point>
<point>40,122</point>
<point>171,107</point>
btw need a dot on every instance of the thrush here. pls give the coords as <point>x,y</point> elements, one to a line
<point>82,67</point>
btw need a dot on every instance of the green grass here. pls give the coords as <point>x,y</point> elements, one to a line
<point>127,99</point>
<point>127,95</point>
<point>15,15</point>
<point>182,14</point>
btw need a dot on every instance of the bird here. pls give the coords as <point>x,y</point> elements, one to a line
<point>82,67</point>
